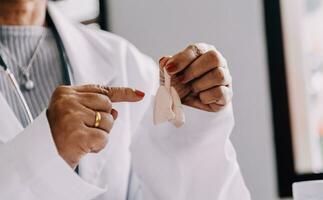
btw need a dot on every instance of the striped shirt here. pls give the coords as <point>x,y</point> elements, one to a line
<point>47,70</point>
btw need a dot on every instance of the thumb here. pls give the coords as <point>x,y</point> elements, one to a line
<point>123,94</point>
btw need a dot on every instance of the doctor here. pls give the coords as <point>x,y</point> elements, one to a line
<point>49,130</point>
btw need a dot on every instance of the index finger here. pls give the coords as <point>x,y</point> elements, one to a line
<point>124,94</point>
<point>116,94</point>
<point>181,60</point>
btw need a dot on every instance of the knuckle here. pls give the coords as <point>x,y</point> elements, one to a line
<point>128,92</point>
<point>62,96</point>
<point>192,47</point>
<point>203,97</point>
<point>115,90</point>
<point>107,120</point>
<point>97,86</point>
<point>61,90</point>
<point>65,103</point>
<point>213,55</point>
<point>219,92</point>
<point>108,104</point>
<point>219,74</point>
<point>106,100</point>
<point>58,105</point>
<point>223,95</point>
<point>92,97</point>
<point>108,89</point>
<point>195,49</point>
<point>92,86</point>
<point>98,141</point>
<point>178,58</point>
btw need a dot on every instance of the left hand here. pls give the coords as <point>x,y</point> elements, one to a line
<point>201,77</point>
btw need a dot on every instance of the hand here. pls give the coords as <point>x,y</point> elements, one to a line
<point>201,77</point>
<point>71,115</point>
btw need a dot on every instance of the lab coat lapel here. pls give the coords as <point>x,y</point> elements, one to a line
<point>86,66</point>
<point>8,122</point>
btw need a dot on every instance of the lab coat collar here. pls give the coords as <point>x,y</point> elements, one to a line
<point>80,51</point>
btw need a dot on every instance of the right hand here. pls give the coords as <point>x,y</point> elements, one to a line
<point>71,116</point>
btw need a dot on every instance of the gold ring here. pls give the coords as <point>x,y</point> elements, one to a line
<point>97,119</point>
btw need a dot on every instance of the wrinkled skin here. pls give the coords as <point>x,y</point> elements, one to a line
<point>201,77</point>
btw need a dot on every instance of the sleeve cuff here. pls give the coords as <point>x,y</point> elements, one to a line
<point>198,121</point>
<point>33,156</point>
<point>199,125</point>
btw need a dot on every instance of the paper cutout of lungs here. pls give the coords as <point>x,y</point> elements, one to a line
<point>168,106</point>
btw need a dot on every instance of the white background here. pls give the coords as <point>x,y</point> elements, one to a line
<point>159,27</point>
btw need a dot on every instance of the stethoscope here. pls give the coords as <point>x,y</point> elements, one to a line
<point>66,67</point>
<point>16,86</point>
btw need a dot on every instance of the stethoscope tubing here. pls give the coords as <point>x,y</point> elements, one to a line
<point>18,90</point>
<point>66,64</point>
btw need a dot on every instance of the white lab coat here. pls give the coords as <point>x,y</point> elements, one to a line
<point>195,162</point>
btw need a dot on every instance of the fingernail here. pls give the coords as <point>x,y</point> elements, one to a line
<point>171,67</point>
<point>139,93</point>
<point>114,113</point>
<point>162,58</point>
